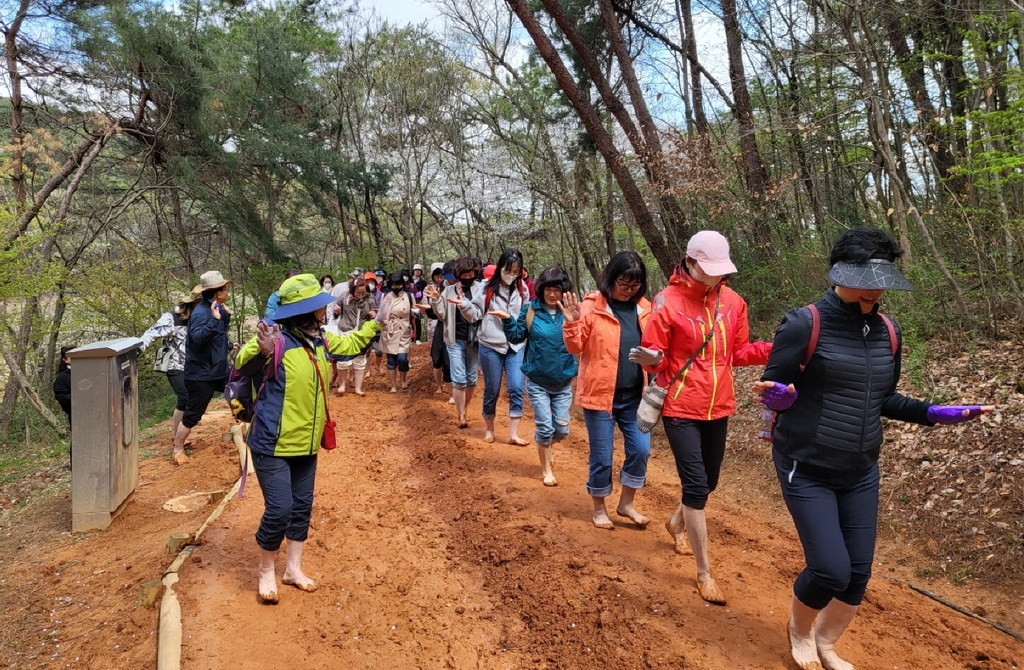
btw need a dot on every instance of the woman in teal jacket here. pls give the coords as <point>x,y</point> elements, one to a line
<point>290,415</point>
<point>549,368</point>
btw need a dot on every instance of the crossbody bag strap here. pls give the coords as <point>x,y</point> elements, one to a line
<point>316,366</point>
<point>711,333</point>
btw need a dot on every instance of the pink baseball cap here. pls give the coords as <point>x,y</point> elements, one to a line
<point>711,251</point>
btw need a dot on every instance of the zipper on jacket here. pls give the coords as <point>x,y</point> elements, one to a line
<point>867,388</point>
<point>682,380</point>
<point>316,399</point>
<point>714,359</point>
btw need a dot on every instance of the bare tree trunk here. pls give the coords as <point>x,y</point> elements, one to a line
<point>675,219</point>
<point>603,140</point>
<point>879,132</point>
<point>21,380</point>
<point>50,355</point>
<point>17,166</point>
<point>179,226</point>
<point>699,117</point>
<point>753,169</point>
<point>16,363</point>
<point>683,74</point>
<point>609,214</point>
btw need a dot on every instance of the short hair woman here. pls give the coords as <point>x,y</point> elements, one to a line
<point>828,434</point>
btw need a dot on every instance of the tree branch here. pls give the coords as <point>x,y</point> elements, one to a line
<point>664,39</point>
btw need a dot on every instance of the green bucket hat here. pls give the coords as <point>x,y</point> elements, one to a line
<point>301,294</point>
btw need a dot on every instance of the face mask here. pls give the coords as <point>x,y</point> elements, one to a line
<point>328,285</point>
<point>371,287</point>
<point>467,283</point>
<point>397,289</point>
<point>507,278</point>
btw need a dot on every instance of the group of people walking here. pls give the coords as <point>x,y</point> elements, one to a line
<point>830,376</point>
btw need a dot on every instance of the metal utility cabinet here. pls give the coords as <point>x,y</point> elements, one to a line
<point>104,439</point>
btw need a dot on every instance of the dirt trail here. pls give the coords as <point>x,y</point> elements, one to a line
<point>435,550</point>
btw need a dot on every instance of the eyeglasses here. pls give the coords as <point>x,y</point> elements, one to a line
<point>624,286</point>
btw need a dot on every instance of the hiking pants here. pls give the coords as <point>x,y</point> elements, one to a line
<point>698,448</point>
<point>836,525</point>
<point>287,485</point>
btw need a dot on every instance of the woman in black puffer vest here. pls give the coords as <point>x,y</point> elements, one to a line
<point>828,434</point>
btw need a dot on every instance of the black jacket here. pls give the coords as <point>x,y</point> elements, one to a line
<point>62,389</point>
<point>206,354</point>
<point>835,426</point>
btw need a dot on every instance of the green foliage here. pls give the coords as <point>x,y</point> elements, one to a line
<point>139,281</point>
<point>156,399</point>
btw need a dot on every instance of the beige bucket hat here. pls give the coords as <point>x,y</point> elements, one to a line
<point>181,297</point>
<point>210,280</point>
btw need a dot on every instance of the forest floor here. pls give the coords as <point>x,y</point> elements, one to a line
<point>433,549</point>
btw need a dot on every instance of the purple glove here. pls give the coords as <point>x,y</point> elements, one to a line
<point>778,397</point>
<point>950,414</point>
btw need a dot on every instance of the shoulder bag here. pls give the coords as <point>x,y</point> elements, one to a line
<point>329,440</point>
<point>653,400</point>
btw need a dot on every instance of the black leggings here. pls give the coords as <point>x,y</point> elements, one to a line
<point>200,393</point>
<point>698,447</point>
<point>837,526</point>
<point>176,378</point>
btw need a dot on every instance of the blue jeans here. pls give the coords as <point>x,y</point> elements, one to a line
<point>287,485</point>
<point>550,412</point>
<point>836,525</point>
<point>400,361</point>
<point>462,357</point>
<point>601,433</point>
<point>492,365</point>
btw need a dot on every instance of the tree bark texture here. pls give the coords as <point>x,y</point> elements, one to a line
<point>605,144</point>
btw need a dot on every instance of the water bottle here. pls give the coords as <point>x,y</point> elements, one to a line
<point>767,425</point>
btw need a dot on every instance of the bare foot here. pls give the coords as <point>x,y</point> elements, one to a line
<point>630,513</point>
<point>549,480</point>
<point>517,441</point>
<point>394,390</point>
<point>180,458</point>
<point>709,591</point>
<point>602,521</point>
<point>299,580</point>
<point>268,587</point>
<point>341,391</point>
<point>803,649</point>
<point>463,423</point>
<point>451,400</point>
<point>830,660</point>
<point>360,394</point>
<point>679,538</point>
<point>439,390</point>
<point>488,437</point>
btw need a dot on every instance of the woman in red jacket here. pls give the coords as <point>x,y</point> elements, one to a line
<point>700,320</point>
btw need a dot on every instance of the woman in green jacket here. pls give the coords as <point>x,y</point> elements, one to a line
<point>290,416</point>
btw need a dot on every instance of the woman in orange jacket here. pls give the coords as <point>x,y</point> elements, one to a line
<point>602,329</point>
<point>700,320</point>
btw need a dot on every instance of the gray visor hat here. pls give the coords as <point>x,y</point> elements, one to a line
<point>876,274</point>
